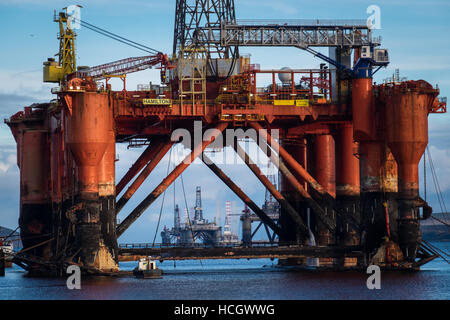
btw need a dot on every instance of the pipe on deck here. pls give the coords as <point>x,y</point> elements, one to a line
<point>198,150</point>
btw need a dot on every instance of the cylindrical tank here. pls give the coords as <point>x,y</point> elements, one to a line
<point>363,110</point>
<point>88,129</point>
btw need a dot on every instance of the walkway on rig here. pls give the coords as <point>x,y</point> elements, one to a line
<point>135,252</point>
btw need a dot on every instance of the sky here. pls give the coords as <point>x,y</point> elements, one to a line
<point>415,32</point>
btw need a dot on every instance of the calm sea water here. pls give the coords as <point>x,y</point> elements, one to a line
<point>236,279</point>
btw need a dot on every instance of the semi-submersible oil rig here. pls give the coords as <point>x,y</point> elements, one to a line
<point>347,149</point>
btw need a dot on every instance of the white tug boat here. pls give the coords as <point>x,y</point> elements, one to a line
<point>7,247</point>
<point>147,269</point>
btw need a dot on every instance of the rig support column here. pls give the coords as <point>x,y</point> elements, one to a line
<point>298,150</point>
<point>407,108</point>
<point>347,182</point>
<point>371,162</point>
<point>246,230</point>
<point>88,137</point>
<point>325,174</point>
<point>35,219</point>
<point>107,194</point>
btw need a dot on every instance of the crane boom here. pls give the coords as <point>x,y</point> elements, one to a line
<point>124,66</point>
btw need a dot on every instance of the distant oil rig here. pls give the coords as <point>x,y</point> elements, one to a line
<point>198,228</point>
<point>185,234</point>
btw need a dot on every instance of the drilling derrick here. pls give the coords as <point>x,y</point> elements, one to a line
<point>198,216</point>
<point>192,15</point>
<point>176,218</point>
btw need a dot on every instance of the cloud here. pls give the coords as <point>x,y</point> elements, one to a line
<point>16,83</point>
<point>283,7</point>
<point>418,63</point>
<point>10,161</point>
<point>9,187</point>
<point>441,159</point>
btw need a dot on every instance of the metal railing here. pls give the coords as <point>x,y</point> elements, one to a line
<point>254,244</point>
<point>361,23</point>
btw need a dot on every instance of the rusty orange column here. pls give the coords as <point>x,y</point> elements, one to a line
<point>407,107</point>
<point>59,204</point>
<point>325,166</point>
<point>88,137</point>
<point>325,174</point>
<point>371,153</point>
<point>297,148</point>
<point>389,184</point>
<point>56,150</point>
<point>107,198</point>
<point>347,182</point>
<point>35,219</point>
<point>290,161</point>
